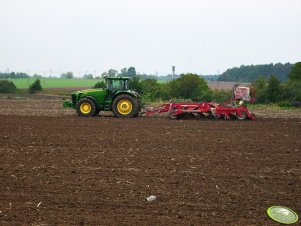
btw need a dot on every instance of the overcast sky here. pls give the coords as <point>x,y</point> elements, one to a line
<point>206,37</point>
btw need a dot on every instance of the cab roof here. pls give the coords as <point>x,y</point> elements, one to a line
<point>117,78</point>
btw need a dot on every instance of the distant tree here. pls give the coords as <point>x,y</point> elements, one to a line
<point>13,75</point>
<point>295,73</point>
<point>293,87</point>
<point>88,76</point>
<point>100,85</point>
<point>67,75</point>
<point>124,72</point>
<point>104,74</point>
<point>152,89</point>
<point>7,86</point>
<point>37,76</point>
<point>135,84</point>
<point>251,72</point>
<point>210,77</point>
<point>34,87</point>
<point>220,95</point>
<point>274,89</point>
<point>131,72</point>
<point>112,73</point>
<point>260,87</point>
<point>260,83</point>
<point>190,86</point>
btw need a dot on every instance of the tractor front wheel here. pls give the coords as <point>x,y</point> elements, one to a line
<point>125,106</point>
<point>86,107</point>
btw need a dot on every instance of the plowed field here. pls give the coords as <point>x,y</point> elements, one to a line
<point>66,170</point>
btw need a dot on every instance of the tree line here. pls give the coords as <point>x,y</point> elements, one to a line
<point>194,87</point>
<point>237,74</point>
<point>124,72</point>
<point>251,72</point>
<point>272,90</point>
<point>7,75</point>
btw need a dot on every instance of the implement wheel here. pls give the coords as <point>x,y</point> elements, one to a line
<point>243,116</point>
<point>126,106</point>
<point>171,114</point>
<point>86,108</point>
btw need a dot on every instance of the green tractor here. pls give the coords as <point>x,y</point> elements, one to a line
<point>116,97</point>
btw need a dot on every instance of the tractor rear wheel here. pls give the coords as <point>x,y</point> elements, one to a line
<point>126,106</point>
<point>243,116</point>
<point>86,107</point>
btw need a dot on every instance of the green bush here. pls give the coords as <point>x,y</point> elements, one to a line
<point>152,89</point>
<point>135,84</point>
<point>100,85</point>
<point>7,86</point>
<point>295,73</point>
<point>189,86</point>
<point>274,90</point>
<point>35,87</point>
<point>285,104</point>
<point>220,95</point>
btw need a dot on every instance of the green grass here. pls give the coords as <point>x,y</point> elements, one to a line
<point>24,83</point>
<point>162,81</point>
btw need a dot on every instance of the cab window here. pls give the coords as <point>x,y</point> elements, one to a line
<point>114,85</point>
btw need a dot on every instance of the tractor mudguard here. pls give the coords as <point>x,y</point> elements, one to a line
<point>98,105</point>
<point>130,92</point>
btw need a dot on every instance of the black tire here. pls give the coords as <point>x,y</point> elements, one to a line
<point>243,116</point>
<point>96,112</point>
<point>132,112</point>
<point>171,116</point>
<point>212,115</point>
<point>86,103</point>
<point>139,107</point>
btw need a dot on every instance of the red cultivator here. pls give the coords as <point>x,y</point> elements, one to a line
<point>233,109</point>
<point>203,109</point>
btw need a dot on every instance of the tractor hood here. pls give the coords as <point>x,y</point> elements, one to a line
<point>87,91</point>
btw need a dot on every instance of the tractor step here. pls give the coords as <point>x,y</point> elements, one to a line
<point>107,106</point>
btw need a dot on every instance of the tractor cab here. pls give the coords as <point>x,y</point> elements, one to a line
<point>117,84</point>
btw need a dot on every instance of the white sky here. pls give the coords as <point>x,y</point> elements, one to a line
<point>39,36</point>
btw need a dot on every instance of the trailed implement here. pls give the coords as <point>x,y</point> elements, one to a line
<point>234,108</point>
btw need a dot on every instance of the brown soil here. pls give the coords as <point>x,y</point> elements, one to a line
<point>66,170</point>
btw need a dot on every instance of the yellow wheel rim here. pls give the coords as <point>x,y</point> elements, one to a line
<point>85,108</point>
<point>124,107</point>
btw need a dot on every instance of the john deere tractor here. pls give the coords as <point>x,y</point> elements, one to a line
<point>116,97</point>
